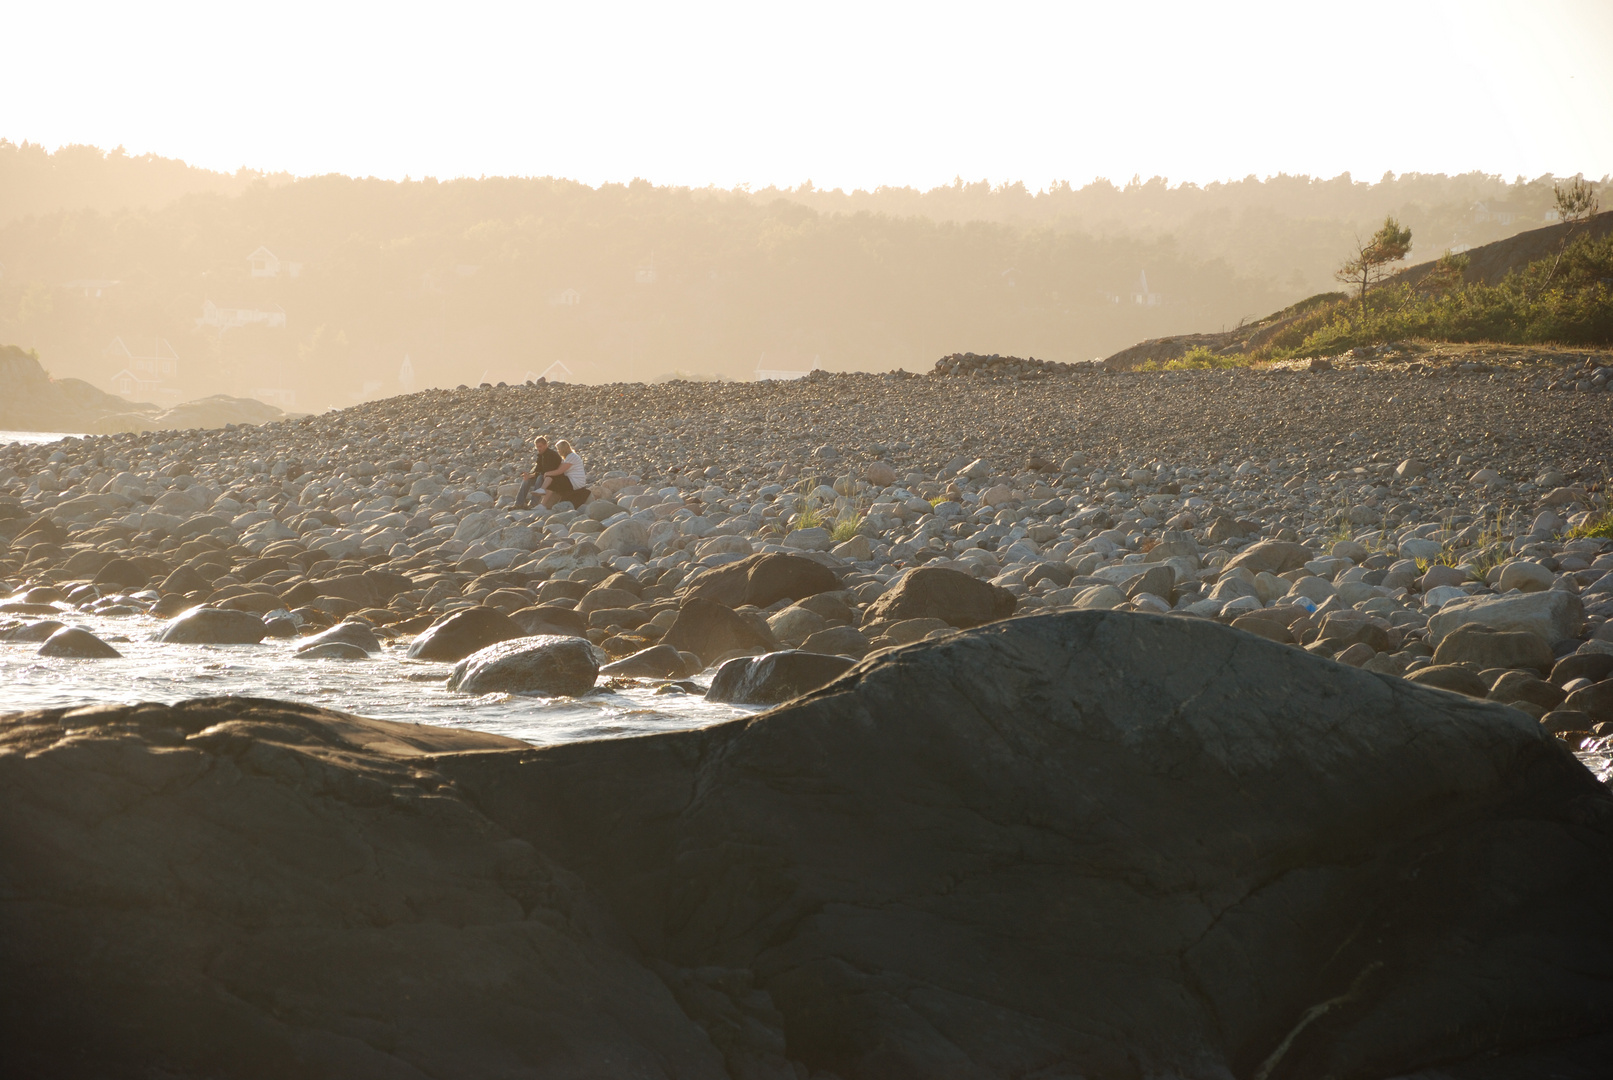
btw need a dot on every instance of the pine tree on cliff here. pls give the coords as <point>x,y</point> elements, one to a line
<point>1372,258</point>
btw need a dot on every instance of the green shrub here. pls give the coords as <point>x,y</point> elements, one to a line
<point>1198,358</point>
<point>1571,305</point>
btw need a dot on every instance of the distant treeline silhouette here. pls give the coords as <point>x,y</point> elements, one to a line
<point>500,278</point>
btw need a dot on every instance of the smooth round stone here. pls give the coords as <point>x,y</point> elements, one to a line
<point>333,650</point>
<point>1440,595</point>
<point>546,664</point>
<point>75,643</point>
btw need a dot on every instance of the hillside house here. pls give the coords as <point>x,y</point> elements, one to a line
<point>281,398</point>
<point>1144,296</point>
<point>566,298</point>
<point>234,316</point>
<point>1502,213</point>
<point>266,264</point>
<point>645,273</point>
<point>555,372</point>
<point>147,370</point>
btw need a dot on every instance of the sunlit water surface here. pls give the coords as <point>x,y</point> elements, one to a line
<point>35,438</point>
<point>380,687</point>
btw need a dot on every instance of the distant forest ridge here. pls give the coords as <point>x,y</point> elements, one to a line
<point>325,290</point>
<point>34,180</point>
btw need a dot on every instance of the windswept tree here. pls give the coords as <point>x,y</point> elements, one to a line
<point>1374,257</point>
<point>1576,200</point>
<point>1576,204</point>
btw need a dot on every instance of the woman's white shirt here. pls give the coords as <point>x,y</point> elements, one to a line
<point>575,471</point>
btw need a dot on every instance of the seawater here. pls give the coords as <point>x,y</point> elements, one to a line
<point>388,687</point>
<point>35,438</point>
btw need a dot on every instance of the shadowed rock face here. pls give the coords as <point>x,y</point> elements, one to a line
<point>1092,844</point>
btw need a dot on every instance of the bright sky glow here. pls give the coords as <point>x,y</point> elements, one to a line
<point>843,94</point>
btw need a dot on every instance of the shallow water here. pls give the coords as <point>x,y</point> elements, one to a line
<point>35,438</point>
<point>380,687</point>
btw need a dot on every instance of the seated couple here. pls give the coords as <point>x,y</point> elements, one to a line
<point>558,473</point>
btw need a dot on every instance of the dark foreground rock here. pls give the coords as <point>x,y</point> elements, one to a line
<point>546,664</point>
<point>1033,849</point>
<point>775,677</point>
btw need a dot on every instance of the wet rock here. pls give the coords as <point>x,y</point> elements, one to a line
<point>775,677</point>
<point>356,634</point>
<point>938,593</point>
<point>461,633</point>
<point>656,662</point>
<point>546,664</point>
<point>32,632</point>
<point>712,631</point>
<point>333,650</point>
<point>212,626</point>
<point>1476,643</point>
<point>71,641</point>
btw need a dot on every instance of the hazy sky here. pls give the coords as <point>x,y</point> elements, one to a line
<point>846,95</point>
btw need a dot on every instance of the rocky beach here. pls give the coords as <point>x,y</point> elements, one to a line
<point>1260,672</point>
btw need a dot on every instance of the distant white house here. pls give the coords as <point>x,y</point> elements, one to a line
<point>555,372</point>
<point>147,370</point>
<point>645,273</point>
<point>92,288</point>
<point>1143,295</point>
<point>566,298</point>
<point>773,368</point>
<point>1502,213</point>
<point>266,264</point>
<point>232,316</point>
<point>279,397</point>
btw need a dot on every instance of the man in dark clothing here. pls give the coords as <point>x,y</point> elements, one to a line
<point>547,462</point>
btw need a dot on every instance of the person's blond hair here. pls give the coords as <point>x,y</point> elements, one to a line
<point>563,446</point>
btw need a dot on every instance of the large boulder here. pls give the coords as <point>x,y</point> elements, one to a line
<point>764,580</point>
<point>212,626</point>
<point>775,677</point>
<point>549,619</point>
<point>1475,643</point>
<point>355,634</point>
<point>458,634</point>
<point>712,631</point>
<point>1272,557</point>
<point>547,664</point>
<point>655,662</point>
<point>1092,844</point>
<point>934,592</point>
<point>1552,615</point>
<point>72,642</point>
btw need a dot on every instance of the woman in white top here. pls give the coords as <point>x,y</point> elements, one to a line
<point>570,481</point>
